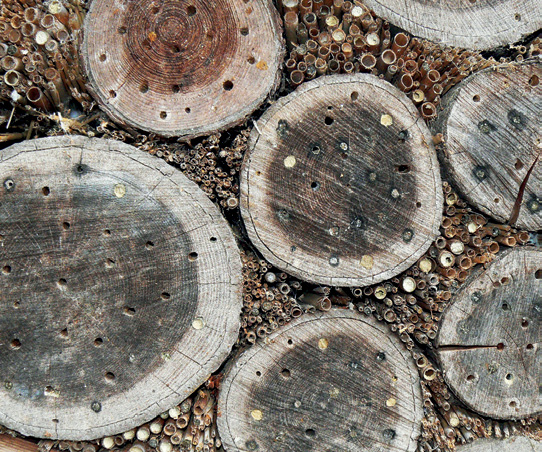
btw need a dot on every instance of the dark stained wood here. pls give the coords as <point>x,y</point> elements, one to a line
<point>472,24</point>
<point>10,444</point>
<point>182,67</point>
<point>512,444</point>
<point>489,339</point>
<point>492,128</point>
<point>119,290</point>
<point>329,382</point>
<point>341,184</point>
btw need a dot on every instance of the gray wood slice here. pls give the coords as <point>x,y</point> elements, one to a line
<point>469,24</point>
<point>341,183</point>
<point>492,127</point>
<point>512,444</point>
<point>489,342</point>
<point>182,67</point>
<point>324,382</point>
<point>120,287</point>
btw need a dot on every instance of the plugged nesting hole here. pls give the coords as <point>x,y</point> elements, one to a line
<point>244,31</point>
<point>251,60</point>
<point>496,200</point>
<point>176,88</point>
<point>500,346</point>
<point>107,232</point>
<point>228,85</point>
<point>130,312</point>
<point>122,30</point>
<point>149,245</point>
<point>534,80</point>
<point>15,344</point>
<point>144,87</point>
<point>518,165</point>
<point>470,378</point>
<point>65,225</point>
<point>538,274</point>
<point>46,191</point>
<point>530,346</point>
<point>311,433</point>
<point>354,96</point>
<point>191,10</point>
<point>112,94</point>
<point>6,270</point>
<point>285,373</point>
<point>163,115</point>
<point>165,296</point>
<point>64,333</point>
<point>62,282</point>
<point>103,57</point>
<point>187,110</point>
<point>476,98</point>
<point>328,120</point>
<point>524,323</point>
<point>513,404</point>
<point>192,256</point>
<point>213,239</point>
<point>98,342</point>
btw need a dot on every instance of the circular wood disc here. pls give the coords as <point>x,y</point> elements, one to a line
<point>327,382</point>
<point>489,340</point>
<point>470,24</point>
<point>341,184</point>
<point>492,126</point>
<point>182,67</point>
<point>120,287</point>
<point>512,444</point>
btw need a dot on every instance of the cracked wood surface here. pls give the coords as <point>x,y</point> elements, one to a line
<point>341,184</point>
<point>492,129</point>
<point>512,444</point>
<point>120,287</point>
<point>327,382</point>
<point>489,344</point>
<point>469,24</point>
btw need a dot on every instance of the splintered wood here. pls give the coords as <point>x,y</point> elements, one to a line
<point>472,24</point>
<point>492,127</point>
<point>120,287</point>
<point>512,444</point>
<point>489,340</point>
<point>341,184</point>
<point>329,381</point>
<point>181,68</point>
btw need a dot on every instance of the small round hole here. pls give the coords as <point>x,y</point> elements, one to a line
<point>163,115</point>
<point>315,185</point>
<point>538,274</point>
<point>122,30</point>
<point>524,323</point>
<point>176,88</point>
<point>403,169</point>
<point>311,433</point>
<point>130,312</point>
<point>64,333</point>
<point>46,191</point>
<point>112,94</point>
<point>109,263</point>
<point>258,373</point>
<point>470,378</point>
<point>15,344</point>
<point>191,10</point>
<point>505,307</point>
<point>285,373</point>
<point>62,282</point>
<point>509,377</point>
<point>103,57</point>
<point>534,80</point>
<point>476,98</point>
<point>517,16</point>
<point>290,342</point>
<point>176,49</point>
<point>354,96</point>
<point>513,404</point>
<point>98,342</point>
<point>155,10</point>
<point>228,85</point>
<point>251,60</point>
<point>244,31</point>
<point>518,165</point>
<point>187,110</point>
<point>213,239</point>
<point>530,346</point>
<point>109,377</point>
<point>65,225</point>
<point>144,88</point>
<point>56,421</point>
<point>192,256</point>
<point>328,120</point>
<point>165,296</point>
<point>16,304</point>
<point>149,245</point>
<point>500,346</point>
<point>6,270</point>
<point>496,200</point>
<point>418,204</point>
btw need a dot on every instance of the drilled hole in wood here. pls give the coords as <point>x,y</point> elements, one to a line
<point>496,200</point>
<point>354,96</point>
<point>16,304</point>
<point>109,263</point>
<point>500,346</point>
<point>109,377</point>
<point>418,204</point>
<point>228,85</point>
<point>122,30</point>
<point>213,239</point>
<point>290,342</point>
<point>130,312</point>
<point>328,120</point>
<point>285,373</point>
<point>505,306</point>
<point>244,31</point>
<point>175,49</point>
<point>144,87</point>
<point>192,256</point>
<point>258,373</point>
<point>191,10</point>
<point>103,57</point>
<point>112,94</point>
<point>402,169</point>
<point>538,274</point>
<point>315,185</point>
<point>15,344</point>
<point>6,270</point>
<point>62,282</point>
<point>524,323</point>
<point>46,191</point>
<point>155,10</point>
<point>163,115</point>
<point>534,80</point>
<point>251,60</point>
<point>176,88</point>
<point>517,16</point>
<point>518,165</point>
<point>530,346</point>
<point>56,421</point>
<point>165,296</point>
<point>476,98</point>
<point>470,378</point>
<point>149,245</point>
<point>65,225</point>
<point>311,433</point>
<point>64,333</point>
<point>98,342</point>
<point>107,232</point>
<point>187,110</point>
<point>513,404</point>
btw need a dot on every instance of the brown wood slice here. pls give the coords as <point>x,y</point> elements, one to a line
<point>182,67</point>
<point>341,184</point>
<point>490,337</point>
<point>512,444</point>
<point>472,24</point>
<point>493,131</point>
<point>119,287</point>
<point>328,382</point>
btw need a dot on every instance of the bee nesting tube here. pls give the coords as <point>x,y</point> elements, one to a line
<point>492,129</point>
<point>326,381</point>
<point>341,184</point>
<point>120,275</point>
<point>148,63</point>
<point>472,24</point>
<point>489,339</point>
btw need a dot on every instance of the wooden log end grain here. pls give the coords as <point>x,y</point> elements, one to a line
<point>512,444</point>
<point>328,382</point>
<point>120,287</point>
<point>181,68</point>
<point>341,184</point>
<point>470,24</point>
<point>489,339</point>
<point>492,128</point>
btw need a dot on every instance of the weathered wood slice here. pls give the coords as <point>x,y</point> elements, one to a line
<point>492,127</point>
<point>119,287</point>
<point>470,24</point>
<point>512,444</point>
<point>489,339</point>
<point>182,67</point>
<point>341,184</point>
<point>327,382</point>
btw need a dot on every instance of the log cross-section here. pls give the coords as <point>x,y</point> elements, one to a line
<point>181,67</point>
<point>119,287</point>
<point>332,381</point>
<point>341,183</point>
<point>490,338</point>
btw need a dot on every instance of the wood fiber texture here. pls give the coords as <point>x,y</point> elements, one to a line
<point>492,129</point>
<point>341,183</point>
<point>489,343</point>
<point>324,382</point>
<point>513,444</point>
<point>120,287</point>
<point>182,68</point>
<point>471,24</point>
